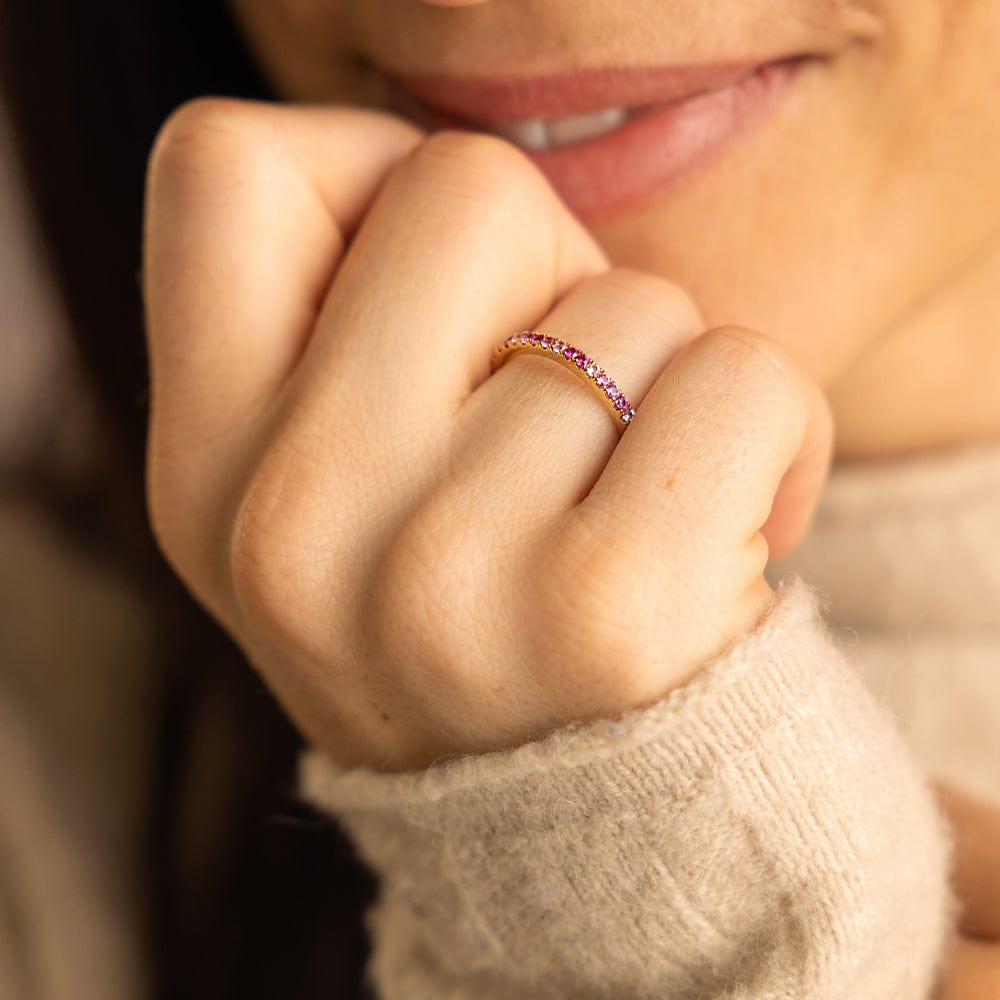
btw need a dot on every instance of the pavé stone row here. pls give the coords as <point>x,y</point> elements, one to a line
<point>587,366</point>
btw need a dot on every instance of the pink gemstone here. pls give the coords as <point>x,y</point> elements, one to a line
<point>533,340</point>
<point>523,338</point>
<point>546,343</point>
<point>621,404</point>
<point>581,360</point>
<point>602,379</point>
<point>591,369</point>
<point>627,417</point>
<point>612,391</point>
<point>557,347</point>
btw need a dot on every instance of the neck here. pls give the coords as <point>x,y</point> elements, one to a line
<point>933,381</point>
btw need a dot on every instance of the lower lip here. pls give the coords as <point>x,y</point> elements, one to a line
<point>624,169</point>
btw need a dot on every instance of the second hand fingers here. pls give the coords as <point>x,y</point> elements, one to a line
<point>976,875</point>
<point>972,971</point>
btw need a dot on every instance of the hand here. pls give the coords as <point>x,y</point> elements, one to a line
<point>974,968</point>
<point>420,559</point>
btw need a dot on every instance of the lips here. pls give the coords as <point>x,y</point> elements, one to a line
<point>477,100</point>
<point>675,119</point>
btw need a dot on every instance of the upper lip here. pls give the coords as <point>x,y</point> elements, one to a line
<point>498,101</point>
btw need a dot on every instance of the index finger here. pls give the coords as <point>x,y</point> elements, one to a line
<point>248,208</point>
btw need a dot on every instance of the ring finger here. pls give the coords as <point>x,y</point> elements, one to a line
<point>534,434</point>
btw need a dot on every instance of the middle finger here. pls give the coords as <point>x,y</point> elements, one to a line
<point>465,243</point>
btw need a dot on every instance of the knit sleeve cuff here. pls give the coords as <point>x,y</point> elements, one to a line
<point>760,831</point>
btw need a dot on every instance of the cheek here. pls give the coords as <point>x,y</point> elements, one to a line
<point>776,235</point>
<point>866,198</point>
<point>311,20</point>
<point>300,45</point>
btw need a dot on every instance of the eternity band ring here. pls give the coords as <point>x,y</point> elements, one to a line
<point>576,361</point>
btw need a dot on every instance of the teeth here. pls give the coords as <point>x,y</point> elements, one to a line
<point>565,131</point>
<point>527,135</point>
<point>539,134</point>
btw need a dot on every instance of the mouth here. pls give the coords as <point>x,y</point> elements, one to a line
<point>608,140</point>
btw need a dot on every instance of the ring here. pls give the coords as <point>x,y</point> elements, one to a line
<point>576,361</point>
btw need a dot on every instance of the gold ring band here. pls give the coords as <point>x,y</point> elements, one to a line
<point>573,359</point>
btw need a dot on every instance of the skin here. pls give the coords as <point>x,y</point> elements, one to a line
<point>974,965</point>
<point>874,195</point>
<point>337,510</point>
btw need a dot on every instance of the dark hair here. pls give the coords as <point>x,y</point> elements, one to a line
<point>251,894</point>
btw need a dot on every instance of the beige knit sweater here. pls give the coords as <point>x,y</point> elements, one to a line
<point>765,831</point>
<point>761,833</point>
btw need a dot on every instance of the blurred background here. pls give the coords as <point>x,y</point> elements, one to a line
<point>73,760</point>
<point>151,842</point>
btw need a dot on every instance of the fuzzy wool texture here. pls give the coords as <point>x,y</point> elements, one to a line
<point>763,831</point>
<point>907,554</point>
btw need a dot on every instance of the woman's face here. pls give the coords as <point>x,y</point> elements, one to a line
<point>825,216</point>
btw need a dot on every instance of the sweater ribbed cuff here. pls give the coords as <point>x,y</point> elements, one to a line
<point>760,832</point>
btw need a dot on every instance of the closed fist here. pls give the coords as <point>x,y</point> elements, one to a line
<point>422,559</point>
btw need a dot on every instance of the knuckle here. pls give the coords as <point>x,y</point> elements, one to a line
<point>479,168</point>
<point>193,127</point>
<point>207,135</point>
<point>282,560</point>
<point>757,360</point>
<point>649,297</point>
